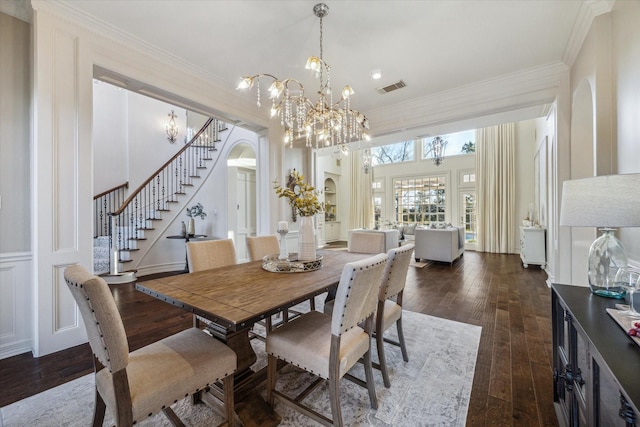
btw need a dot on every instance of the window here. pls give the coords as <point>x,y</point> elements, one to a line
<point>466,178</point>
<point>469,218</point>
<point>376,185</point>
<point>377,208</point>
<point>393,153</point>
<point>420,200</point>
<point>457,143</point>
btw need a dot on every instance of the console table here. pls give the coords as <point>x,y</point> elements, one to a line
<point>596,365</point>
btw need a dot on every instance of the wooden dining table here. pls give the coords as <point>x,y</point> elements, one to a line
<point>234,298</point>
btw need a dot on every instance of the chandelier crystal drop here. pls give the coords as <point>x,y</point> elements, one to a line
<point>322,123</point>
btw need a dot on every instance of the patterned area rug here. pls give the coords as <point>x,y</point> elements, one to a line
<point>432,389</point>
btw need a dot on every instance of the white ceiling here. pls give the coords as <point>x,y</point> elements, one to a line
<point>434,46</point>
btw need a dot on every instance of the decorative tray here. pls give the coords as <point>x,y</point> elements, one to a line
<point>292,265</point>
<point>625,322</point>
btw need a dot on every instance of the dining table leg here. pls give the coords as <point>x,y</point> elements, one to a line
<point>246,379</point>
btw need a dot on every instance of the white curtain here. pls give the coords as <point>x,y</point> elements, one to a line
<point>495,189</point>
<point>361,203</point>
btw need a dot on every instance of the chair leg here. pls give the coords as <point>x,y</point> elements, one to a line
<point>312,304</point>
<point>368,372</point>
<point>403,346</point>
<point>272,378</point>
<point>227,387</point>
<point>334,397</point>
<point>99,410</point>
<point>382,359</point>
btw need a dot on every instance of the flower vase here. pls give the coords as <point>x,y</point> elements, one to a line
<point>306,239</point>
<point>191,227</point>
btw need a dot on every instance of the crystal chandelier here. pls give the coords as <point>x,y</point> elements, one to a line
<point>323,123</point>
<point>437,147</point>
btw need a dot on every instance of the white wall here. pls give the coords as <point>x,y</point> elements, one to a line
<point>608,65</point>
<point>110,136</point>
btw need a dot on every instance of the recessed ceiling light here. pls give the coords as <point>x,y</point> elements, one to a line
<point>376,74</point>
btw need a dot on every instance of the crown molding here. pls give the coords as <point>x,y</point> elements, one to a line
<point>65,10</point>
<point>527,88</point>
<point>587,12</point>
<point>19,9</point>
<point>132,54</point>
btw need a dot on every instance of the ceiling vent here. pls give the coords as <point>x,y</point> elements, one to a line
<point>393,86</point>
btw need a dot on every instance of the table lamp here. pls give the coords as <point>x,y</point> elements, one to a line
<point>608,202</point>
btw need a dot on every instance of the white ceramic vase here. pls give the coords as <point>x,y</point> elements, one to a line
<point>191,227</point>
<point>306,239</point>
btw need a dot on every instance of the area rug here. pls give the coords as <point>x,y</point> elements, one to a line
<point>432,389</point>
<point>418,264</point>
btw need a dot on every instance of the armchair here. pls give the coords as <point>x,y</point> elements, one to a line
<point>434,244</point>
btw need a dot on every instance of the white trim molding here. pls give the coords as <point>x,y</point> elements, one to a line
<point>15,304</point>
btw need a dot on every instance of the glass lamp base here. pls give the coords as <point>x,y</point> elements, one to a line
<point>606,256</point>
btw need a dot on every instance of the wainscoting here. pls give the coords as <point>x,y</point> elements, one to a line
<point>15,303</point>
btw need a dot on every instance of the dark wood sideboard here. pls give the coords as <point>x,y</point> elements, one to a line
<point>596,364</point>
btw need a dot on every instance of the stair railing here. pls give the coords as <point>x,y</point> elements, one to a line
<point>129,222</point>
<point>105,203</point>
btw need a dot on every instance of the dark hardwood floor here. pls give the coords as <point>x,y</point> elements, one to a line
<point>512,384</point>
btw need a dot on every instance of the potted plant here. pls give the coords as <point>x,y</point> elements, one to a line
<point>192,212</point>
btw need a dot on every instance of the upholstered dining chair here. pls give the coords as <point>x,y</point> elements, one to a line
<point>390,304</point>
<point>329,345</point>
<point>260,246</point>
<point>389,310</point>
<point>135,385</point>
<point>364,243</point>
<point>206,254</point>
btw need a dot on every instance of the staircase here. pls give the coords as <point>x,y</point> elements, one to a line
<point>119,232</point>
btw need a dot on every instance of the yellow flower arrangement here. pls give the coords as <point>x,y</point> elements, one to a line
<point>303,197</point>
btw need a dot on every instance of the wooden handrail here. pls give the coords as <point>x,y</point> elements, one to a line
<point>138,190</point>
<point>116,188</point>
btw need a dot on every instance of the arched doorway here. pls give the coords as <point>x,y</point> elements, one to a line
<point>582,166</point>
<point>241,166</point>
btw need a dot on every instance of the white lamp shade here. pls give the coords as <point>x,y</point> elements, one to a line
<point>610,201</point>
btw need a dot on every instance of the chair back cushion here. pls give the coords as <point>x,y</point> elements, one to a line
<point>102,320</point>
<point>207,254</point>
<point>357,294</point>
<point>260,246</point>
<point>395,273</point>
<point>367,243</point>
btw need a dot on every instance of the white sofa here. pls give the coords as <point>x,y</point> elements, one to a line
<point>391,237</point>
<point>434,244</point>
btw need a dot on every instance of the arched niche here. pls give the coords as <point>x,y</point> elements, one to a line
<point>582,166</point>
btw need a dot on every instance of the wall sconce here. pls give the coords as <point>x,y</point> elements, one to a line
<point>172,128</point>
